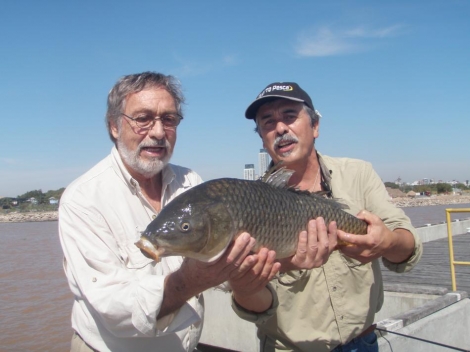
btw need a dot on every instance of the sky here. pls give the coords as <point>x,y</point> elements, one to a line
<point>390,79</point>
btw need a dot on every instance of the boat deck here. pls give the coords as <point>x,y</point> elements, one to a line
<point>434,267</point>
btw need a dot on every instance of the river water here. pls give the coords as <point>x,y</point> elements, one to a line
<point>35,301</point>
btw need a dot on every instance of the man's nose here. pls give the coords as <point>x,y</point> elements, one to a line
<point>281,127</point>
<point>157,131</point>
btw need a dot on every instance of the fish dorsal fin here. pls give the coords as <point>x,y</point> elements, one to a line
<point>277,176</point>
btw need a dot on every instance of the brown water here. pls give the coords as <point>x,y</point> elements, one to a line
<point>35,301</point>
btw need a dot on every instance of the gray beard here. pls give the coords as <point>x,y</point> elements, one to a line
<point>147,169</point>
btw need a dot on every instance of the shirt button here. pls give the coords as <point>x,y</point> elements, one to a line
<point>154,216</point>
<point>341,317</point>
<point>94,279</point>
<point>334,288</point>
<point>133,182</point>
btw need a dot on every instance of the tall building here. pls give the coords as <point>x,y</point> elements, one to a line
<point>249,172</point>
<point>263,161</point>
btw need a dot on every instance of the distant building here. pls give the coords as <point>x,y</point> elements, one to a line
<point>53,200</point>
<point>263,161</point>
<point>249,172</point>
<point>33,200</point>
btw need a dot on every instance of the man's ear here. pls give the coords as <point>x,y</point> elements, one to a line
<point>114,130</point>
<point>316,130</point>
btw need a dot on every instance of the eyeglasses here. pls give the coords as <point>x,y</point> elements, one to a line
<point>146,122</point>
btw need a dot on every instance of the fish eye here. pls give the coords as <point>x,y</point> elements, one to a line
<point>185,226</point>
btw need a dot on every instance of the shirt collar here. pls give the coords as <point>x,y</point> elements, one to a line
<point>326,172</point>
<point>326,175</point>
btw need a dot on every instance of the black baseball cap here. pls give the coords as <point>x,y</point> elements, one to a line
<point>286,90</point>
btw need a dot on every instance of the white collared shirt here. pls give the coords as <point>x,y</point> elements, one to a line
<point>118,291</point>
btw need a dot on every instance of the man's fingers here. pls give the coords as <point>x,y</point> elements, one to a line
<point>302,244</point>
<point>322,235</point>
<point>333,236</point>
<point>247,265</point>
<point>268,265</point>
<point>312,235</point>
<point>250,277</point>
<point>240,249</point>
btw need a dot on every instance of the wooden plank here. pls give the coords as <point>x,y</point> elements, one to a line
<point>434,267</point>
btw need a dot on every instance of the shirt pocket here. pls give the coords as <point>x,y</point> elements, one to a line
<point>293,277</point>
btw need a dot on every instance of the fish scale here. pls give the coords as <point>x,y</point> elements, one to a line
<point>201,222</point>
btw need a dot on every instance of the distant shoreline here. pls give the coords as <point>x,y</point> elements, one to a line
<point>404,202</point>
<point>30,216</point>
<point>401,202</point>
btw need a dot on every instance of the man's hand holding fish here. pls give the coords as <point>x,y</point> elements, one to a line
<point>247,274</point>
<point>378,242</point>
<point>314,247</point>
<point>249,284</point>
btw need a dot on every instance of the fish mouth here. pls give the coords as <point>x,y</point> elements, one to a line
<point>149,249</point>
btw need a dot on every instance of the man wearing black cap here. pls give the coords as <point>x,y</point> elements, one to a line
<point>330,305</point>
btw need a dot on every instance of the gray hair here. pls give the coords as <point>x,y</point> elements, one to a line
<point>133,84</point>
<point>314,118</point>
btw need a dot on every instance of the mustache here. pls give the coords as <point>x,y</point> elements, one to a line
<point>284,138</point>
<point>154,143</point>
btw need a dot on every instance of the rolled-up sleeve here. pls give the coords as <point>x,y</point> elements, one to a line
<point>257,318</point>
<point>378,202</point>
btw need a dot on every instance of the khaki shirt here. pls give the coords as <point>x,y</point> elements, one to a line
<point>327,306</point>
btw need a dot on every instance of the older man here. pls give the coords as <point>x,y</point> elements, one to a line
<point>125,301</point>
<point>331,305</point>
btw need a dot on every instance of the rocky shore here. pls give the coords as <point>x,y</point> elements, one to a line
<point>30,216</point>
<point>399,202</point>
<point>403,202</point>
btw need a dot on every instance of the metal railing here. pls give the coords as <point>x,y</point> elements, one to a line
<point>453,262</point>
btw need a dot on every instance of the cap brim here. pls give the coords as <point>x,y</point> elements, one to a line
<point>252,109</point>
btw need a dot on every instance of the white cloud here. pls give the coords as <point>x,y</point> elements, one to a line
<point>325,41</point>
<point>362,32</point>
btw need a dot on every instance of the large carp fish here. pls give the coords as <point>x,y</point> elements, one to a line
<point>201,222</point>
